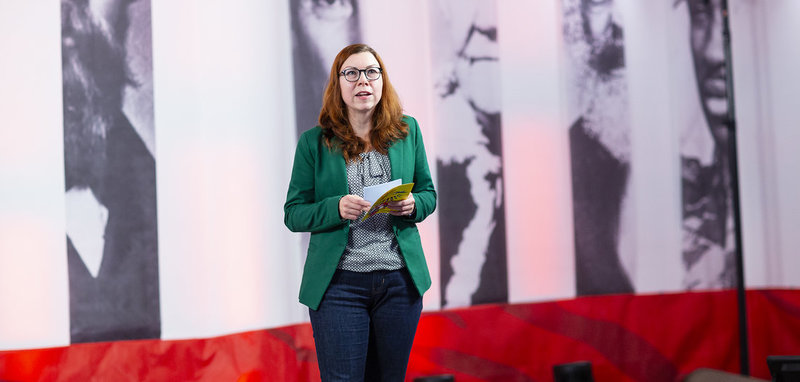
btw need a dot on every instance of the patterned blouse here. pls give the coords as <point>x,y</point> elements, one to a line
<point>371,244</point>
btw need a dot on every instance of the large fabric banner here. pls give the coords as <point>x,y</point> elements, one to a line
<point>469,162</point>
<point>703,124</point>
<point>600,147</point>
<point>112,235</point>
<point>577,149</point>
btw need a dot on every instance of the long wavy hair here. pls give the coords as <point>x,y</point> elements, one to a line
<point>387,118</point>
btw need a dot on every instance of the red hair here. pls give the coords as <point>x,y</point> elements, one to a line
<point>387,119</point>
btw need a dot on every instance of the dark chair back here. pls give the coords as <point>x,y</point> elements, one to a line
<point>580,371</point>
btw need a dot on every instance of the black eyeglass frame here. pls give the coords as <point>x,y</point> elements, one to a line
<point>360,72</point>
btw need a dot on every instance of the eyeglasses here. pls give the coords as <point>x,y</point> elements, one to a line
<point>353,74</point>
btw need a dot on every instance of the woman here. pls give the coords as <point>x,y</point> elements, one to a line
<point>363,280</point>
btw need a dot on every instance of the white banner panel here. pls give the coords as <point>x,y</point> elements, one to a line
<point>34,305</point>
<point>766,55</point>
<point>654,170</point>
<point>225,142</point>
<point>536,152</point>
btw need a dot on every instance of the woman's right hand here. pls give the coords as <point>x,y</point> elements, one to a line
<point>351,206</point>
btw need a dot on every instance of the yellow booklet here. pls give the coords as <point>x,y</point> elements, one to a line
<point>393,194</point>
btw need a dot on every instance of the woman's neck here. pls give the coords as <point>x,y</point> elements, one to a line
<point>361,124</point>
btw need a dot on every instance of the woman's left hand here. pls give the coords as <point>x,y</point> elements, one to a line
<point>403,207</point>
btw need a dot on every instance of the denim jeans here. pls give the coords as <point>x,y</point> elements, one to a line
<point>365,325</point>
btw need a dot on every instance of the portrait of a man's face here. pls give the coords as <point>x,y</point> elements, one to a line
<point>603,34</point>
<point>320,28</point>
<point>597,88</point>
<point>472,29</point>
<point>326,26</point>
<point>94,76</point>
<point>709,61</point>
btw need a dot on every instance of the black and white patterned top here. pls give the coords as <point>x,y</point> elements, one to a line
<point>371,244</point>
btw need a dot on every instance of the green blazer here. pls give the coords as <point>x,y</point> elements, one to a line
<point>319,180</point>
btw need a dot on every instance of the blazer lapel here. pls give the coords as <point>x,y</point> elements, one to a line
<point>341,168</point>
<point>396,160</point>
<point>335,160</point>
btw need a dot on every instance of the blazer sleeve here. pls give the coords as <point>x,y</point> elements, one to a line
<point>302,212</point>
<point>423,191</point>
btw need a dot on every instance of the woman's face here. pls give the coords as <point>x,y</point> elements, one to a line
<point>361,95</point>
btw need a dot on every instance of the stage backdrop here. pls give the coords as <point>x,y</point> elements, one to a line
<point>575,148</point>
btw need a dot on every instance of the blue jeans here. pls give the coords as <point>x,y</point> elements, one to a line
<point>365,325</point>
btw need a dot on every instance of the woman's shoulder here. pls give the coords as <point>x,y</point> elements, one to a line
<point>313,132</point>
<point>313,140</point>
<point>411,122</point>
<point>311,136</point>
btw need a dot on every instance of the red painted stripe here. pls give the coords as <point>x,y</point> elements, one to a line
<point>626,337</point>
<point>627,351</point>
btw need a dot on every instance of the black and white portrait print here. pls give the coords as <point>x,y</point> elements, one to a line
<point>600,146</point>
<point>111,228</point>
<point>707,221</point>
<point>465,59</point>
<point>320,29</point>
